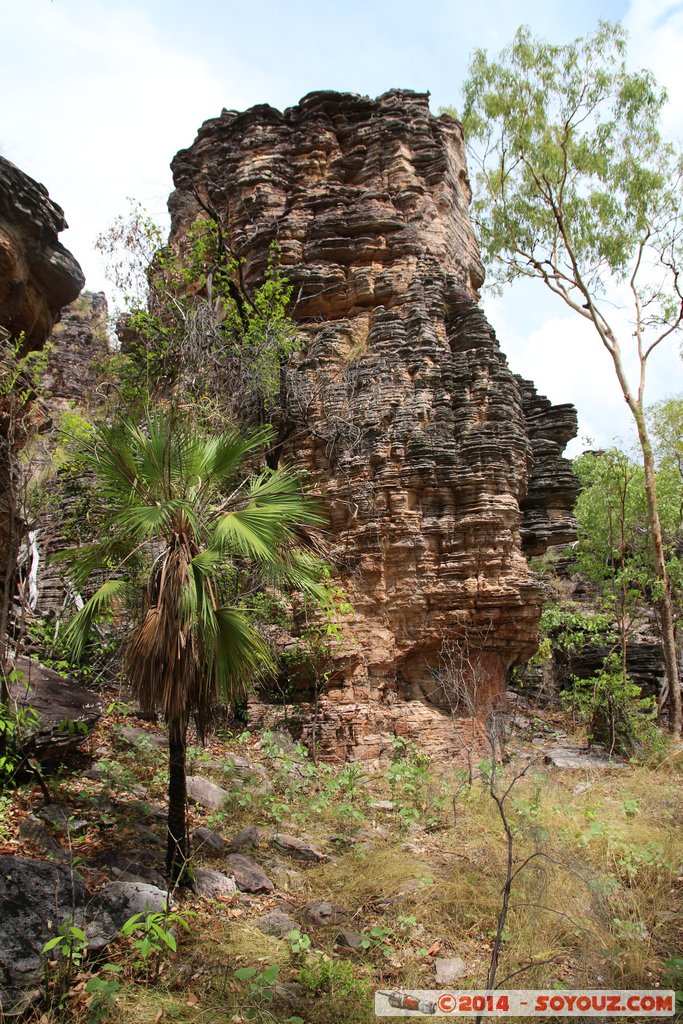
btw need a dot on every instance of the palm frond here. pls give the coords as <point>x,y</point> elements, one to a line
<point>226,454</point>
<point>249,532</point>
<point>295,569</point>
<point>83,562</point>
<point>78,630</point>
<point>141,521</point>
<point>240,654</point>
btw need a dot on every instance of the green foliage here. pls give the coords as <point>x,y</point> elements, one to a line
<point>70,941</point>
<point>70,945</point>
<point>412,787</point>
<point>612,707</point>
<point>614,549</point>
<point>567,627</point>
<point>102,992</point>
<point>572,171</point>
<point>191,328</point>
<point>324,976</point>
<point>321,635</point>
<point>16,723</point>
<point>299,943</point>
<point>260,993</point>
<point>666,424</point>
<point>20,371</point>
<point>152,937</point>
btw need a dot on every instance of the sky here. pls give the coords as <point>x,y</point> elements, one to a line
<point>98,96</point>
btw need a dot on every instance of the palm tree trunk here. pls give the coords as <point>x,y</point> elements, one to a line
<point>178,849</point>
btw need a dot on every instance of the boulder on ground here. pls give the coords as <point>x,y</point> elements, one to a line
<point>206,793</point>
<point>250,877</point>
<point>297,848</point>
<point>208,841</point>
<point>118,902</point>
<point>572,757</point>
<point>277,923</point>
<point>320,914</point>
<point>249,838</point>
<point>449,969</point>
<point>67,713</point>
<point>213,885</point>
<point>35,899</point>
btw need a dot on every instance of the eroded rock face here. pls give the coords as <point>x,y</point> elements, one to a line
<point>38,276</point>
<point>435,459</point>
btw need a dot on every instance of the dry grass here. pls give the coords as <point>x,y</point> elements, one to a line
<point>599,905</point>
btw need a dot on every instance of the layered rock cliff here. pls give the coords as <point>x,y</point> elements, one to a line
<point>438,464</point>
<point>38,276</point>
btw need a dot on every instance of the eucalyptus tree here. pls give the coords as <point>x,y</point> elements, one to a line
<point>614,550</point>
<point>188,532</point>
<point>575,187</point>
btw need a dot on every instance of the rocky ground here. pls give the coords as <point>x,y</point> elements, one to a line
<point>316,885</point>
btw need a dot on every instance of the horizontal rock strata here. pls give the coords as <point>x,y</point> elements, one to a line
<point>38,276</point>
<point>440,467</point>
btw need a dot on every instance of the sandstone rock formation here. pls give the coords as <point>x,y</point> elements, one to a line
<point>440,466</point>
<point>38,276</point>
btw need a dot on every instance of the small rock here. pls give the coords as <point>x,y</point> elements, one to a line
<point>117,902</point>
<point>276,923</point>
<point>32,829</point>
<point>286,878</point>
<point>142,738</point>
<point>321,914</point>
<point>521,722</point>
<point>249,838</point>
<point>148,835</point>
<point>148,810</point>
<point>448,970</point>
<point>347,937</point>
<point>206,793</point>
<point>239,766</point>
<point>381,805</point>
<point>63,820</point>
<point>208,841</point>
<point>248,875</point>
<point>576,758</point>
<point>212,884</point>
<point>247,771</point>
<point>104,803</point>
<point>292,994</point>
<point>297,848</point>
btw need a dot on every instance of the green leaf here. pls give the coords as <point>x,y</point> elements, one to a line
<point>244,973</point>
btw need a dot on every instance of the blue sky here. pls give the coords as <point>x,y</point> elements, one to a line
<point>99,95</point>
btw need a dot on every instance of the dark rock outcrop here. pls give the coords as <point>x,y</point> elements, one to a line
<point>33,894</point>
<point>79,342</point>
<point>67,713</point>
<point>440,467</point>
<point>38,276</point>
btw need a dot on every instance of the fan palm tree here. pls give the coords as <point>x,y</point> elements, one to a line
<point>187,531</point>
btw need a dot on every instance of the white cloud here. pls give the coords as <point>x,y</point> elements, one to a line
<point>567,362</point>
<point>656,42</point>
<point>120,101</point>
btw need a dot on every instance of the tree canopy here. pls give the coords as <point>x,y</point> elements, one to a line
<point>575,186</point>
